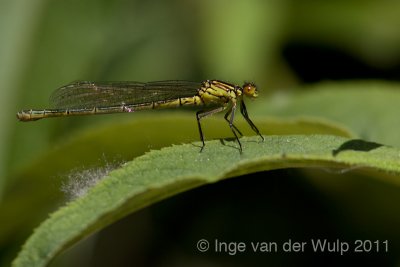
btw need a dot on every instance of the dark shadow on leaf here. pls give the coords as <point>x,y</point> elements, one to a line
<point>356,145</point>
<point>229,139</point>
<point>222,141</point>
<point>196,146</point>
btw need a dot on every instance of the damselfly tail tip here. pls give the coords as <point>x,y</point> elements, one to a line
<point>25,115</point>
<point>21,116</point>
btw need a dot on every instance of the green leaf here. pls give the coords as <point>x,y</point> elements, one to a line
<point>166,172</point>
<point>368,108</point>
<point>34,185</point>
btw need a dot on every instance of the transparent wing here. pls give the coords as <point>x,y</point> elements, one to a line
<point>86,94</point>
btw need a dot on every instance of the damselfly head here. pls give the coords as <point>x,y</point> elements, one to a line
<point>250,89</point>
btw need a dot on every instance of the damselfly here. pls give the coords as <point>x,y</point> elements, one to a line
<point>90,98</point>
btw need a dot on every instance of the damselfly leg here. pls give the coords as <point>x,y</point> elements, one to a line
<point>202,114</point>
<point>226,118</point>
<point>231,111</point>
<point>243,110</point>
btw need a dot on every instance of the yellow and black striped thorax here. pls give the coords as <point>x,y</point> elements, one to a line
<point>218,92</point>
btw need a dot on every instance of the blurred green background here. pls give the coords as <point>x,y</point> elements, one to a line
<point>280,45</point>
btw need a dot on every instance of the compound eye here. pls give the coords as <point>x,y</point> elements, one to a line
<point>250,89</point>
